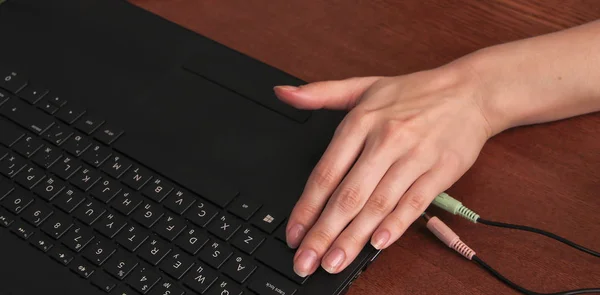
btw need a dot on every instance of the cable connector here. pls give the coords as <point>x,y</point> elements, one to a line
<point>452,205</point>
<point>446,235</point>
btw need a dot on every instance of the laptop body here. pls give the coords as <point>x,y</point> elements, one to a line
<point>116,123</point>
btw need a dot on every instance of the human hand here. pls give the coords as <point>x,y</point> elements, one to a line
<point>404,140</point>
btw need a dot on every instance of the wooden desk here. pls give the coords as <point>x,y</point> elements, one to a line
<point>553,181</point>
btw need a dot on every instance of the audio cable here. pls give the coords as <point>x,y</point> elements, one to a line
<point>450,204</point>
<point>452,240</point>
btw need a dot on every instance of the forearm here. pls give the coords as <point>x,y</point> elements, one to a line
<point>540,79</point>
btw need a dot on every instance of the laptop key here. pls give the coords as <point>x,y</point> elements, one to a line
<point>132,237</point>
<point>88,125</point>
<point>83,268</point>
<point>103,281</point>
<point>143,279</point>
<point>77,145</point>
<point>66,167</point>
<point>177,264</point>
<point>239,268</point>
<point>96,155</point>
<point>58,134</point>
<point>280,257</point>
<point>47,156</point>
<point>224,286</point>
<point>42,242</point>
<point>248,240</point>
<point>167,288</point>
<point>69,199</point>
<point>69,114</point>
<point>11,165</point>
<point>215,253</point>
<point>56,100</point>
<point>179,201</point>
<point>37,213</point>
<point>224,226</point>
<point>121,265</point>
<point>99,251</point>
<point>30,177</point>
<point>89,212</point>
<point>201,213</point>
<point>192,240</point>
<point>17,201</point>
<point>49,188</point>
<point>148,214</point>
<point>267,219</point>
<point>27,146</point>
<point>200,278</point>
<point>110,225</point>
<point>6,219</point>
<point>27,116</point>
<point>107,134</point>
<point>116,166</point>
<point>126,201</point>
<point>157,190</point>
<point>85,178</point>
<point>267,282</point>
<point>10,133</point>
<point>5,187</point>
<point>124,290</point>
<point>78,238</point>
<point>12,81</point>
<point>170,227</point>
<point>154,251</point>
<point>60,254</point>
<point>137,177</point>
<point>4,96</point>
<point>32,93</point>
<point>48,108</point>
<point>105,190</point>
<point>22,229</point>
<point>57,225</point>
<point>243,208</point>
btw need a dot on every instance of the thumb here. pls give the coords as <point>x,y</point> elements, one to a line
<point>337,95</point>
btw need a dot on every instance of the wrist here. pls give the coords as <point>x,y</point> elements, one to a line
<point>497,94</point>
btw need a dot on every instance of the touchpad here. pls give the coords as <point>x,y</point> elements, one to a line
<point>246,76</point>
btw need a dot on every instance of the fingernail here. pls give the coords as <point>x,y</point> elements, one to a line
<point>333,260</point>
<point>305,262</point>
<point>286,88</point>
<point>380,239</point>
<point>294,235</point>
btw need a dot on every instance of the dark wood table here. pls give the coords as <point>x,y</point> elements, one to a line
<point>546,176</point>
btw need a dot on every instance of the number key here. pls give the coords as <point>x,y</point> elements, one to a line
<point>57,225</point>
<point>37,213</point>
<point>99,251</point>
<point>18,200</point>
<point>143,280</point>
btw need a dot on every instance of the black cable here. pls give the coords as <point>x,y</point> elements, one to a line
<point>541,232</point>
<point>526,291</point>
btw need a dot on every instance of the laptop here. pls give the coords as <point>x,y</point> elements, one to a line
<point>138,157</point>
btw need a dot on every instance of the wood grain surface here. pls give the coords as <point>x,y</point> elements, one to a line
<point>546,176</point>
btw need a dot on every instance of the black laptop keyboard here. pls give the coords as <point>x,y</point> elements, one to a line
<point>65,191</point>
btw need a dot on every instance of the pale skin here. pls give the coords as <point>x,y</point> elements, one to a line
<point>406,139</point>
